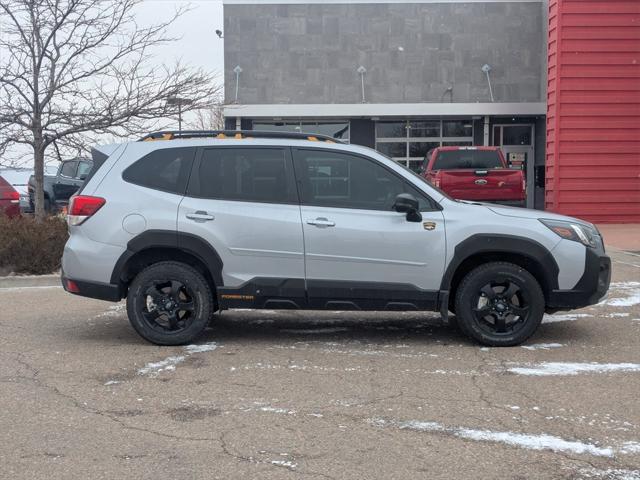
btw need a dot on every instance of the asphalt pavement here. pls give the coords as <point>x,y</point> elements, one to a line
<point>326,395</point>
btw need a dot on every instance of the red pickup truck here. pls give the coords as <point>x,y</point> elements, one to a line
<point>475,173</point>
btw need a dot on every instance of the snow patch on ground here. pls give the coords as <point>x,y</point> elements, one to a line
<point>623,294</point>
<point>205,347</point>
<point>630,447</point>
<point>284,463</point>
<point>153,369</point>
<point>617,314</point>
<point>570,368</point>
<point>610,474</point>
<point>568,317</point>
<point>543,346</point>
<point>515,439</point>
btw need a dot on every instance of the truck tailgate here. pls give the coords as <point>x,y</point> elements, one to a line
<point>492,184</point>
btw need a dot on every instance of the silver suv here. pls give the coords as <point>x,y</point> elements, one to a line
<point>187,224</point>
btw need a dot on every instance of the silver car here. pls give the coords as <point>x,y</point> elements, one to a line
<point>187,224</point>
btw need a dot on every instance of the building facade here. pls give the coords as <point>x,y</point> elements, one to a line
<point>593,122</point>
<point>399,76</point>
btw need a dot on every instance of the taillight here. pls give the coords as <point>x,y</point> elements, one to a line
<point>436,181</point>
<point>83,207</point>
<point>7,192</point>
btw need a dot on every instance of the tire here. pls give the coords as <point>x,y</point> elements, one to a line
<point>156,296</point>
<point>499,304</point>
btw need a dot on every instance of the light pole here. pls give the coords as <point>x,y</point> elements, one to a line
<point>179,102</point>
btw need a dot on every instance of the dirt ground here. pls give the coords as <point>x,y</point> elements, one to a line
<point>334,395</point>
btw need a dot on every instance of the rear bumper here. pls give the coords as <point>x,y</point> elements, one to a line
<point>99,291</point>
<point>590,289</point>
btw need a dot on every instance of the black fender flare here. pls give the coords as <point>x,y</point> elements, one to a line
<point>499,243</point>
<point>185,242</point>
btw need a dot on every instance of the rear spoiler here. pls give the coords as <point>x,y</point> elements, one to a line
<point>101,153</point>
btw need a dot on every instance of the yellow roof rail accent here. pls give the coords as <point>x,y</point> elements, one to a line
<point>221,135</point>
<point>165,136</point>
<point>238,136</point>
<point>329,141</point>
<point>312,139</point>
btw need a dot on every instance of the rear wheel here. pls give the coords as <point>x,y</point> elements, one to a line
<point>499,304</point>
<point>169,303</point>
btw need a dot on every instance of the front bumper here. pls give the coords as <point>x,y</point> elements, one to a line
<point>591,287</point>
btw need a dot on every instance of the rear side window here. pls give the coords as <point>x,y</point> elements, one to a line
<point>474,159</point>
<point>167,170</point>
<point>244,174</point>
<point>84,168</point>
<point>69,169</point>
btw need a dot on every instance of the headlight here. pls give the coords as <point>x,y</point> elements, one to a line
<point>573,231</point>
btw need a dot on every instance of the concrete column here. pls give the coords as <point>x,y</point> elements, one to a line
<point>486,131</point>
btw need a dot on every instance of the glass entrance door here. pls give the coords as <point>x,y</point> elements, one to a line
<point>516,141</point>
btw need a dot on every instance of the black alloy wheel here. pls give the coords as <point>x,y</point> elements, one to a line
<point>499,304</point>
<point>170,303</point>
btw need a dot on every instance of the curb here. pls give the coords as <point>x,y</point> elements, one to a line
<point>30,281</point>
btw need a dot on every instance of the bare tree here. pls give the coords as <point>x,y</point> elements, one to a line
<point>211,118</point>
<point>76,68</point>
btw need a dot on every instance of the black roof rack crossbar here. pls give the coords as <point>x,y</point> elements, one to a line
<point>238,134</point>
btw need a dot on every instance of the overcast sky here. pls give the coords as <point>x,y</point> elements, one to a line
<point>199,46</point>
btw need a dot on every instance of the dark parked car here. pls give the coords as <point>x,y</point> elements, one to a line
<point>58,188</point>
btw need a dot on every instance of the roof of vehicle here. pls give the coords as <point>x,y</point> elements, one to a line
<point>236,135</point>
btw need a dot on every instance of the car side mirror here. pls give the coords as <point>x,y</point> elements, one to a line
<point>83,177</point>
<point>407,203</point>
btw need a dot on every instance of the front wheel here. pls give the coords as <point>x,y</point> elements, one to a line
<point>169,303</point>
<point>499,304</point>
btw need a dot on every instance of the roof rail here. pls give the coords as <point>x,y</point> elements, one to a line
<point>236,134</point>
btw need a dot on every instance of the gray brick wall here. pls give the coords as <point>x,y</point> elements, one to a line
<point>309,53</point>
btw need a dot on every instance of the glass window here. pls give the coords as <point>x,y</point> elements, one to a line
<point>457,128</point>
<point>166,169</point>
<point>457,144</point>
<point>334,179</point>
<point>420,149</point>
<point>277,126</point>
<point>391,129</point>
<point>69,169</point>
<point>516,135</point>
<point>429,128</point>
<point>393,149</point>
<point>245,174</point>
<point>83,169</point>
<point>472,159</point>
<point>338,130</point>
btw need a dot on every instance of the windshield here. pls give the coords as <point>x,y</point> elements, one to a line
<point>472,159</point>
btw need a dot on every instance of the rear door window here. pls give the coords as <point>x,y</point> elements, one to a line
<point>69,169</point>
<point>83,170</point>
<point>472,159</point>
<point>244,174</point>
<point>166,170</point>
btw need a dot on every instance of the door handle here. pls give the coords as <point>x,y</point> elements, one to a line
<point>200,216</point>
<point>321,222</point>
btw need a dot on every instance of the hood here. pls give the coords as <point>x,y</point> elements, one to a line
<point>531,214</point>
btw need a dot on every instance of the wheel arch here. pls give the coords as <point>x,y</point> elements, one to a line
<point>158,245</point>
<point>484,248</point>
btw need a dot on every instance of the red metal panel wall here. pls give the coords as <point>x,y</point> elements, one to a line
<point>593,110</point>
